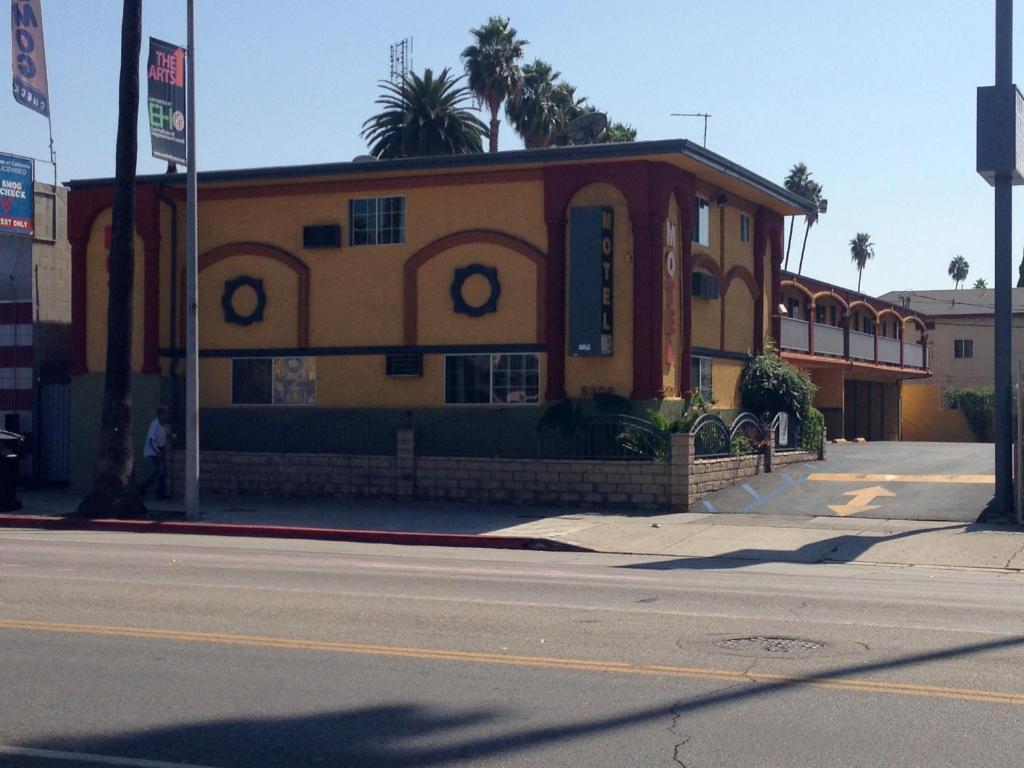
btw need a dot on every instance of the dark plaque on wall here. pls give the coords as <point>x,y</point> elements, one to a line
<point>462,274</point>
<point>227,300</point>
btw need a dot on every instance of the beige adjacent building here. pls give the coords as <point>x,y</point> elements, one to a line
<point>961,352</point>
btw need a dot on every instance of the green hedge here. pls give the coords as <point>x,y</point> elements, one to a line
<point>976,406</point>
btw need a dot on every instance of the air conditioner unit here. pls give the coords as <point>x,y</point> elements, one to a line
<point>705,286</point>
<point>321,236</point>
<point>404,364</point>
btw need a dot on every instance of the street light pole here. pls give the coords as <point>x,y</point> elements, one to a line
<point>191,298</point>
<point>1003,383</point>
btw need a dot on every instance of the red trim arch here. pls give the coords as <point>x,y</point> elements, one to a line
<point>263,250</point>
<point>871,309</point>
<point>410,291</point>
<point>704,261</point>
<point>739,272</point>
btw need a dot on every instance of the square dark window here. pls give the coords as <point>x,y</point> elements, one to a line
<point>376,221</point>
<point>252,381</point>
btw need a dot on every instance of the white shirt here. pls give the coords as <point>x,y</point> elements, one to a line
<point>156,439</point>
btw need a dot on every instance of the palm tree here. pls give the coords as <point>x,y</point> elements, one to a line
<point>616,133</point>
<point>424,116</point>
<point>493,67</point>
<point>534,110</point>
<point>981,283</point>
<point>958,269</point>
<point>861,251</point>
<point>812,193</point>
<point>796,182</point>
<point>112,494</point>
<point>568,106</point>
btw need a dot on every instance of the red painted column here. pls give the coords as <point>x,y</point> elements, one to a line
<point>147,224</point>
<point>812,317</point>
<point>874,327</point>
<point>777,253</point>
<point>760,250</point>
<point>643,331</point>
<point>79,337</point>
<point>899,328</point>
<point>554,336</point>
<point>846,333</point>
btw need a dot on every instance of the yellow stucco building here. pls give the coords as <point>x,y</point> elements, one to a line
<point>459,294</point>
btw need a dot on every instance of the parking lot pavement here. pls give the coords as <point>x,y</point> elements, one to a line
<point>892,480</point>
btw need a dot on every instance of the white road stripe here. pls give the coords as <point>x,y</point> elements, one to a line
<point>128,762</point>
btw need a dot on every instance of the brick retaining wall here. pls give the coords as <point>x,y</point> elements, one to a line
<point>642,485</point>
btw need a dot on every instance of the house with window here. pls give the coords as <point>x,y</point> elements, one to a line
<point>961,351</point>
<point>459,296</point>
<point>858,350</point>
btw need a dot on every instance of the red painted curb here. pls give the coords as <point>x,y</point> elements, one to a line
<point>407,538</point>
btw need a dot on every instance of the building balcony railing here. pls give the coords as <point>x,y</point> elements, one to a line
<point>828,340</point>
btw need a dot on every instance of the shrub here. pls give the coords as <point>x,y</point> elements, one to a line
<point>769,385</point>
<point>977,407</point>
<point>656,443</point>
<point>812,431</point>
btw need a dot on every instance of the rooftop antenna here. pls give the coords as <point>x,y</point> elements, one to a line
<point>705,115</point>
<point>400,58</point>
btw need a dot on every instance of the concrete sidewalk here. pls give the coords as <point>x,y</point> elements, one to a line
<point>688,540</point>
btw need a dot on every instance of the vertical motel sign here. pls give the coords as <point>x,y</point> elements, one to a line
<point>591,265</point>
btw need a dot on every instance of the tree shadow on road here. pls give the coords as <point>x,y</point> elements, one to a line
<point>844,548</point>
<point>408,735</point>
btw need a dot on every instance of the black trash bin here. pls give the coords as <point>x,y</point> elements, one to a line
<point>10,458</point>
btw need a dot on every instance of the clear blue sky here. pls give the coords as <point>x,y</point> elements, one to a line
<point>876,96</point>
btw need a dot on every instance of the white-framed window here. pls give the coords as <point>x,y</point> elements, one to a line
<point>701,221</point>
<point>376,221</point>
<point>700,376</point>
<point>273,381</point>
<point>963,348</point>
<point>744,228</point>
<point>492,379</point>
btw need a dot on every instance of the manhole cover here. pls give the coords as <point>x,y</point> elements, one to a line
<point>770,646</point>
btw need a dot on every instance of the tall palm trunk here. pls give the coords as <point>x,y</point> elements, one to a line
<point>495,106</point>
<point>792,223</point>
<point>860,274</point>
<point>800,268</point>
<point>112,493</point>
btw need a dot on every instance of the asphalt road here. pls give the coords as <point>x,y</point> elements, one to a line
<point>123,649</point>
<point>892,480</point>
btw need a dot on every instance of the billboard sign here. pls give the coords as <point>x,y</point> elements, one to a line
<point>591,266</point>
<point>165,74</point>
<point>16,196</point>
<point>28,59</point>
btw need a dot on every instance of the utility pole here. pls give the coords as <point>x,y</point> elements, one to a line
<point>1003,269</point>
<point>191,298</point>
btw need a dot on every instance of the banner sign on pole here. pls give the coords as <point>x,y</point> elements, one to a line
<point>167,114</point>
<point>16,196</point>
<point>28,58</point>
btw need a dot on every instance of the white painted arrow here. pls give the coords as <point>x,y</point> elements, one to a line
<point>860,501</point>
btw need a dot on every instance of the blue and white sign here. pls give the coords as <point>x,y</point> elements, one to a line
<point>16,195</point>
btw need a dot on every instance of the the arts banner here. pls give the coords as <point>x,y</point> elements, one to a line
<point>16,195</point>
<point>165,74</point>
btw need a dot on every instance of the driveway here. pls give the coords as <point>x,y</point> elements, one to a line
<point>909,481</point>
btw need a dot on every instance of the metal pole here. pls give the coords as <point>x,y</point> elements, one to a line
<point>191,300</point>
<point>1003,268</point>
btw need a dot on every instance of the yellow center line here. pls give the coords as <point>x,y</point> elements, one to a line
<point>843,477</point>
<point>611,667</point>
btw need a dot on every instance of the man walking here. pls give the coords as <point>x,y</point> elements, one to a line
<point>155,453</point>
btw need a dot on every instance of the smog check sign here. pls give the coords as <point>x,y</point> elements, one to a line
<point>16,195</point>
